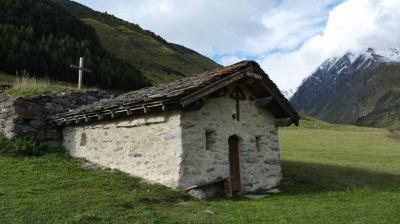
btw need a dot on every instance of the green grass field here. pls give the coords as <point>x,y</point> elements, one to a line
<point>333,174</point>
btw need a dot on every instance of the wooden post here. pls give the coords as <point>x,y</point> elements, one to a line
<point>80,73</point>
<point>237,94</point>
<point>80,68</point>
<point>227,188</point>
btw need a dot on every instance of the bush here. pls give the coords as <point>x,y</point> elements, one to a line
<point>27,147</point>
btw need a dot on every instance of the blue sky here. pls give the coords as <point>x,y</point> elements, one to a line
<point>289,38</point>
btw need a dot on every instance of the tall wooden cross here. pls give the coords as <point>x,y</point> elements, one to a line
<point>80,68</point>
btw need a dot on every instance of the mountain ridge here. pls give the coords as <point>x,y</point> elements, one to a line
<point>347,89</point>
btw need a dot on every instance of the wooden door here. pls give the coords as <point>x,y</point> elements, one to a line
<point>234,162</point>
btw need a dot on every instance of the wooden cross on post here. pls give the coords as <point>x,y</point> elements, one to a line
<point>238,95</point>
<point>80,68</point>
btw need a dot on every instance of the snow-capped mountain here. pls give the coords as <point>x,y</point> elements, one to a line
<point>352,62</point>
<point>288,93</point>
<point>345,89</point>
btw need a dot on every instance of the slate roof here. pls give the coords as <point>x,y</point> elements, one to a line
<point>168,96</point>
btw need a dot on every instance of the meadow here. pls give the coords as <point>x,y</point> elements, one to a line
<point>332,174</point>
<point>25,85</point>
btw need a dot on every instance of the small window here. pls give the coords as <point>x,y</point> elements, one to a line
<point>83,139</point>
<point>210,139</point>
<point>259,142</point>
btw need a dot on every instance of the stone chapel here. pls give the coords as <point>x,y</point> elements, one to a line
<point>208,132</point>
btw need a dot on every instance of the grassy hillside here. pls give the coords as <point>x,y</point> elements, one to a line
<point>333,174</point>
<point>30,86</point>
<point>386,112</point>
<point>157,59</point>
<point>370,92</point>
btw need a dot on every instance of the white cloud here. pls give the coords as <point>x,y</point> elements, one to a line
<point>225,27</point>
<point>290,25</point>
<point>352,26</point>
<point>208,26</point>
<point>289,38</point>
<point>230,59</point>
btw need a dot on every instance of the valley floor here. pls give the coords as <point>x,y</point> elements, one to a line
<point>333,174</point>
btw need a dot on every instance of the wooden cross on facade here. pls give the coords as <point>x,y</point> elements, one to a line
<point>80,68</point>
<point>238,95</point>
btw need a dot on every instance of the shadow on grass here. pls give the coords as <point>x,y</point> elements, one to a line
<point>313,177</point>
<point>301,178</point>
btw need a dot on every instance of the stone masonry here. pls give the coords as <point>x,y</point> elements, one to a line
<point>149,147</point>
<point>28,116</point>
<point>7,112</point>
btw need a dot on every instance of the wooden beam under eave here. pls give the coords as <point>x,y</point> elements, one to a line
<point>100,117</point>
<point>263,101</point>
<point>283,122</point>
<point>250,81</point>
<point>196,105</point>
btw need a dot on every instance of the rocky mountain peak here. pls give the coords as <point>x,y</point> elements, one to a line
<point>343,89</point>
<point>351,62</point>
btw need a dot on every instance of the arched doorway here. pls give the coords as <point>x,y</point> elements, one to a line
<point>234,165</point>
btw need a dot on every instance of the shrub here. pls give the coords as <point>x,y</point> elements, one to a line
<point>27,147</point>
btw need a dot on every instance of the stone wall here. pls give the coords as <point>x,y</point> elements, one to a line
<point>7,112</point>
<point>147,147</point>
<point>28,116</point>
<point>258,145</point>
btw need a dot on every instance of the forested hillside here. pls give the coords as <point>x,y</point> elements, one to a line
<point>44,37</point>
<point>41,37</point>
<point>159,60</point>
